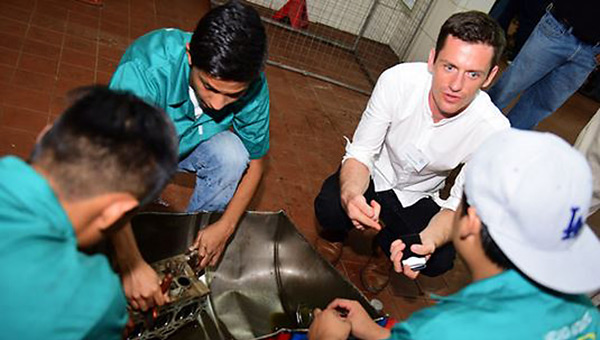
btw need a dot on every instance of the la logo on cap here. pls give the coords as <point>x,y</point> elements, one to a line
<point>574,225</point>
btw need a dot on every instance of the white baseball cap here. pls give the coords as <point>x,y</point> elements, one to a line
<point>532,190</point>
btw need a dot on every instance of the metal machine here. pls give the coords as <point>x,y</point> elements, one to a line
<point>268,280</point>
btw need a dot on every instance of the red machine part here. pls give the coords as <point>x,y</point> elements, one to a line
<point>295,11</point>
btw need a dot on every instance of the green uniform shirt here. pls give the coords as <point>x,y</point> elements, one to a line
<point>49,289</point>
<point>155,67</point>
<point>506,306</point>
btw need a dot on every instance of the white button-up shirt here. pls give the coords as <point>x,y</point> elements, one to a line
<point>402,146</point>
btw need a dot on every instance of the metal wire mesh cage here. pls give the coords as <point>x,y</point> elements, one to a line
<point>345,42</point>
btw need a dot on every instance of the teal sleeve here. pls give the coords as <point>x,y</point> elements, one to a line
<point>251,124</point>
<point>401,331</point>
<point>112,324</point>
<point>129,76</point>
<point>108,301</point>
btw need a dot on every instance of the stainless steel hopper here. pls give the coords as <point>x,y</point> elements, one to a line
<point>268,278</point>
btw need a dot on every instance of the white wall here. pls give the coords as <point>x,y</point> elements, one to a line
<point>439,12</point>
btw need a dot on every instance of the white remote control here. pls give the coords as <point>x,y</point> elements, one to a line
<point>415,263</point>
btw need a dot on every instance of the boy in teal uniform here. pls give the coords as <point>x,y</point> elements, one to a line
<point>522,235</point>
<point>211,83</point>
<point>107,154</point>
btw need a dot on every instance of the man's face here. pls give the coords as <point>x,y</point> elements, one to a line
<point>111,218</point>
<point>460,70</point>
<point>214,94</point>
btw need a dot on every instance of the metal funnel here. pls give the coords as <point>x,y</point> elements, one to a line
<point>268,278</point>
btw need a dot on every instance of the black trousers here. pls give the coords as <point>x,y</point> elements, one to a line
<point>398,220</point>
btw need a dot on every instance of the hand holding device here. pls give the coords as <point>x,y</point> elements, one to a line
<point>414,261</point>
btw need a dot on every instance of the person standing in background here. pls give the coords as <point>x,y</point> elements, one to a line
<point>560,53</point>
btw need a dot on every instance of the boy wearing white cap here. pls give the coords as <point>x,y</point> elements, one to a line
<point>522,235</point>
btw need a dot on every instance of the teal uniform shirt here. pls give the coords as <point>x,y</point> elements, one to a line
<point>155,67</point>
<point>506,306</point>
<point>49,289</point>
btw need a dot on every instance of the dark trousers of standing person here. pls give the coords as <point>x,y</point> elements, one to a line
<point>528,14</point>
<point>398,220</point>
<point>504,11</point>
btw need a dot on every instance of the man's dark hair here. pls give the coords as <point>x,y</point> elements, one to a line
<point>230,43</point>
<point>108,141</point>
<point>473,27</point>
<point>491,249</point>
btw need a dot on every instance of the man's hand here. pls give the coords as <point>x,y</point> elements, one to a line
<point>362,214</point>
<point>363,327</point>
<point>328,325</point>
<point>211,242</point>
<point>425,249</point>
<point>354,181</point>
<point>142,286</point>
<point>140,282</point>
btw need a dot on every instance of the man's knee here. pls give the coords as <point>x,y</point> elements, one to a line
<point>229,154</point>
<point>327,196</point>
<point>328,208</point>
<point>324,200</point>
<point>234,152</point>
<point>222,156</point>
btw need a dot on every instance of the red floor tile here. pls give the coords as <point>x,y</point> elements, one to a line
<point>83,9</point>
<point>30,62</point>
<point>17,118</point>
<point>103,77</point>
<point>10,41</point>
<point>41,49</point>
<point>268,196</point>
<point>57,105</point>
<point>79,59</point>
<point>49,22</point>
<point>15,12</point>
<point>13,27</point>
<point>45,35</point>
<point>110,52</point>
<point>82,25</point>
<point>115,28</point>
<point>107,65</point>
<point>9,57</point>
<point>52,9</point>
<point>401,286</point>
<point>6,72</point>
<point>136,31</point>
<point>25,98</point>
<point>118,16</point>
<point>25,4</point>
<point>76,73</point>
<point>34,80</point>
<point>82,45</point>
<point>64,85</point>
<point>432,285</point>
<point>16,142</point>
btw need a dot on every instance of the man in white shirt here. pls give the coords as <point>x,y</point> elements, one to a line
<point>421,122</point>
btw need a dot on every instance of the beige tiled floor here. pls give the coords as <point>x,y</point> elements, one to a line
<point>50,46</point>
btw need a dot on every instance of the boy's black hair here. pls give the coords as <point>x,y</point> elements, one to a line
<point>491,249</point>
<point>473,27</point>
<point>109,141</point>
<point>230,43</point>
